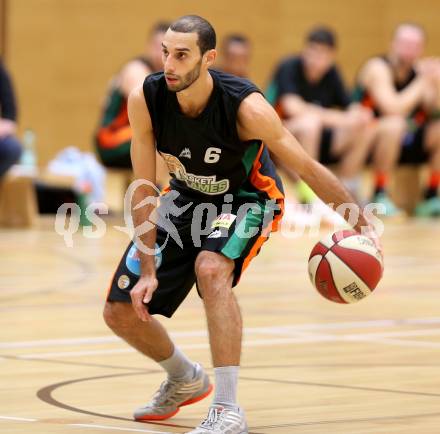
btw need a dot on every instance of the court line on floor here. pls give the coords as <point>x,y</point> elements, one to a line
<point>92,426</point>
<point>347,421</point>
<point>400,333</point>
<point>60,342</point>
<point>309,339</point>
<point>85,270</point>
<point>83,425</point>
<point>70,362</point>
<point>252,343</point>
<point>46,395</point>
<point>289,328</point>
<point>401,342</point>
<point>115,428</point>
<point>18,419</point>
<point>342,386</point>
<point>282,330</point>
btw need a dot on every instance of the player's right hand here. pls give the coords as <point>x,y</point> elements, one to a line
<point>141,294</point>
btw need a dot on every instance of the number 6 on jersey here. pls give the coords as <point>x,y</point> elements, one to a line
<point>212,155</point>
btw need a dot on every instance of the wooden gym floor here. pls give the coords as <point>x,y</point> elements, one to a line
<point>309,366</point>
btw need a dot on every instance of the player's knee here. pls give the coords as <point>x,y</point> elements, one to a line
<point>213,271</point>
<point>118,315</point>
<point>209,266</point>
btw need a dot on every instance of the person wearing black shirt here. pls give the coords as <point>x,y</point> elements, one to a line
<point>215,131</point>
<point>10,147</point>
<point>310,96</point>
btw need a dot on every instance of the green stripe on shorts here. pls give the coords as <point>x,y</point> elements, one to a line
<point>250,155</point>
<point>238,241</point>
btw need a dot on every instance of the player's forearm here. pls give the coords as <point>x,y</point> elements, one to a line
<point>145,227</point>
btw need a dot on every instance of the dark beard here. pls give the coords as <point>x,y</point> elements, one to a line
<point>188,79</point>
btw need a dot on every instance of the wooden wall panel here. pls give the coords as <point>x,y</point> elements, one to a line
<point>63,52</point>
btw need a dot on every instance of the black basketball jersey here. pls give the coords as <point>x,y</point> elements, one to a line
<point>205,156</point>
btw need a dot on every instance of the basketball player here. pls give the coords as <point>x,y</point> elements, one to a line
<point>212,128</point>
<point>403,92</point>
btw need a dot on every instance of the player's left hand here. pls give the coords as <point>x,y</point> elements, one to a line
<point>141,295</point>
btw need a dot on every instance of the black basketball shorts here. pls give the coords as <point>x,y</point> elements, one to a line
<point>236,229</point>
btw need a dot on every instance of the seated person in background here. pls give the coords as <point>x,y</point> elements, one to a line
<point>235,55</point>
<point>10,148</point>
<point>403,93</point>
<point>113,137</point>
<point>309,94</point>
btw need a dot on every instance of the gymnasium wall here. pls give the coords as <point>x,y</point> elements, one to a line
<point>2,27</point>
<point>62,53</point>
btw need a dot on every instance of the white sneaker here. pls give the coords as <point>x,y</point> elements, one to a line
<point>222,421</point>
<point>175,394</point>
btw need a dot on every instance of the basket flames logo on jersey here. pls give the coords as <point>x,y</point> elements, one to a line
<point>204,184</point>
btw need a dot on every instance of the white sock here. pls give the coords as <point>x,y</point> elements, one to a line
<point>178,366</point>
<point>226,382</point>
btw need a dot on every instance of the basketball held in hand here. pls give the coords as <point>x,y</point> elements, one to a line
<point>345,266</point>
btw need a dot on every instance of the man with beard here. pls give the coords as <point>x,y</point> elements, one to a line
<point>403,93</point>
<point>212,129</point>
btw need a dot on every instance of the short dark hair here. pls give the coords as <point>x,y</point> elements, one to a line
<point>207,38</point>
<point>322,35</point>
